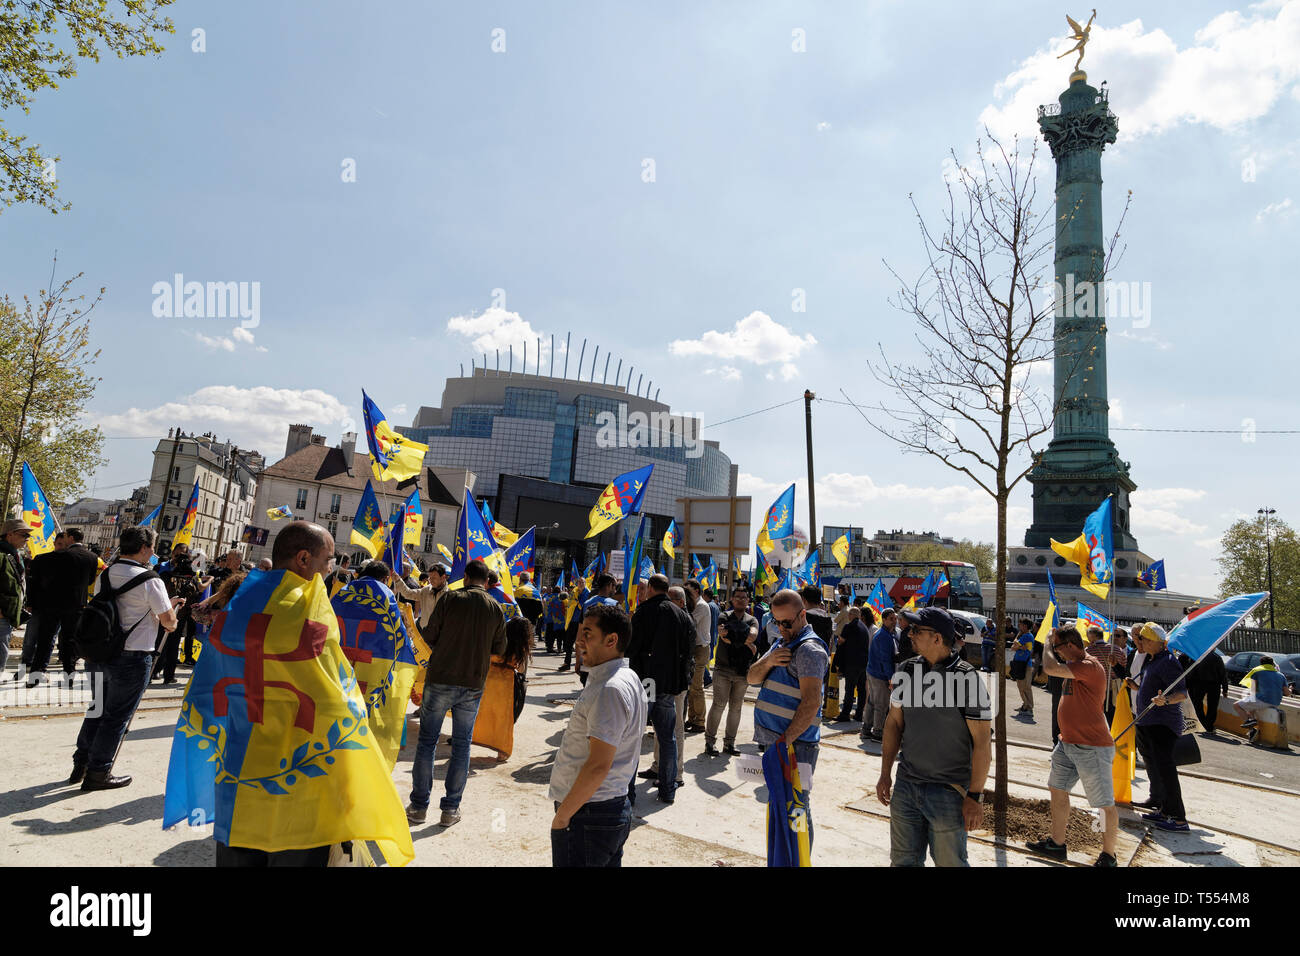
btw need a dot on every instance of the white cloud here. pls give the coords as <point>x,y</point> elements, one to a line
<point>756,338</point>
<point>498,329</point>
<point>729,373</point>
<point>224,343</point>
<point>1281,210</point>
<point>398,410</point>
<point>1157,510</point>
<point>1236,69</point>
<point>257,417</point>
<point>823,126</point>
<point>1162,345</point>
<point>785,373</point>
<point>1116,412</point>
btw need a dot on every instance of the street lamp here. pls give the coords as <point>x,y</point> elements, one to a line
<point>1268,551</point>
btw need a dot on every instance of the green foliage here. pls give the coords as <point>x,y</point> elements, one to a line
<point>45,354</point>
<point>1244,565</point>
<point>979,554</point>
<point>32,59</point>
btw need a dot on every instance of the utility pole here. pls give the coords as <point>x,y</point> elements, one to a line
<point>225,499</point>
<point>167,486</point>
<point>1268,551</point>
<point>813,541</point>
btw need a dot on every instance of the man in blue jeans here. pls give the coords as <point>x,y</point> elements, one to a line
<point>598,754</point>
<point>465,630</point>
<point>939,713</point>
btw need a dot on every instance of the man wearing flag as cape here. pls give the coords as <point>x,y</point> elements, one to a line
<point>273,745</point>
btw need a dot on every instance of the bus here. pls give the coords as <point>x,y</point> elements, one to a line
<point>902,579</point>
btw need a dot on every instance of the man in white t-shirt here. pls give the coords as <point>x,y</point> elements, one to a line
<point>119,684</point>
<point>599,751</point>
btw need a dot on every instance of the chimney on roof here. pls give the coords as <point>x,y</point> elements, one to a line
<point>349,446</point>
<point>299,438</point>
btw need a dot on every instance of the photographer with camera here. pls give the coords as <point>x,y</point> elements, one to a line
<point>737,649</point>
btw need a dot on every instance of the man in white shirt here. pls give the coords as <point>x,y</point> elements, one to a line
<point>118,684</point>
<point>601,747</point>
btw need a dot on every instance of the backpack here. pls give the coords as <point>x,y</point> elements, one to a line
<point>100,637</point>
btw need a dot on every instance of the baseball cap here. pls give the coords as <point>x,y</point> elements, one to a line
<point>15,524</point>
<point>936,618</point>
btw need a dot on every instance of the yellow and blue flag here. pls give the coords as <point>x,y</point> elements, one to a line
<point>37,514</point>
<point>779,521</point>
<point>575,576</point>
<point>150,518</point>
<point>672,538</point>
<point>519,556</point>
<point>190,519</point>
<point>1154,576</point>
<point>442,548</point>
<point>374,639</point>
<point>473,539</point>
<point>812,568</point>
<point>879,599</point>
<point>414,518</point>
<point>368,525</point>
<point>763,575</point>
<point>273,745</point>
<point>1086,617</point>
<point>394,549</point>
<point>282,511</point>
<point>393,456</point>
<point>1092,551</point>
<point>788,815</point>
<point>840,549</point>
<point>632,567</point>
<point>697,569</point>
<point>502,535</point>
<point>621,498</point>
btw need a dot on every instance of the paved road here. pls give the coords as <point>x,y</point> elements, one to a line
<point>1224,755</point>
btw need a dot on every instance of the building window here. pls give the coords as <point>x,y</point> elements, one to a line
<point>176,473</point>
<point>302,499</point>
<point>336,503</point>
<point>428,542</point>
<point>173,497</point>
<point>334,528</point>
<point>430,522</point>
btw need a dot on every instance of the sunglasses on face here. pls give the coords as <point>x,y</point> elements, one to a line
<point>784,624</point>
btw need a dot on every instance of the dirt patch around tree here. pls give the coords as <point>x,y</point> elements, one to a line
<point>1032,820</point>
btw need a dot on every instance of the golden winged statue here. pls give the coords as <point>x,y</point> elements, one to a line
<point>1080,37</point>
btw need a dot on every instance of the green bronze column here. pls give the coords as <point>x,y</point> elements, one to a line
<point>1080,465</point>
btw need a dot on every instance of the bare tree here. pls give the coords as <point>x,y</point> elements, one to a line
<point>983,306</point>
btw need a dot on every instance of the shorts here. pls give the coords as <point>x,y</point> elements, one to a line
<point>1072,763</point>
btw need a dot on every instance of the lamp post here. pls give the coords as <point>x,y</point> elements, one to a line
<point>1268,551</point>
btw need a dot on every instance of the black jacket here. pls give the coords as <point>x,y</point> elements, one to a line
<point>662,648</point>
<point>61,580</point>
<point>852,654</point>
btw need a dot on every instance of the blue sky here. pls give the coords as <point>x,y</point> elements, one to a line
<point>774,170</point>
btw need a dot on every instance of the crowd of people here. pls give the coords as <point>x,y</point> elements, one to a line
<point>655,667</point>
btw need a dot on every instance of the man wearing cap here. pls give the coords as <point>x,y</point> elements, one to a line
<point>1268,687</point>
<point>939,715</point>
<point>1085,752</point>
<point>13,575</point>
<point>1159,725</point>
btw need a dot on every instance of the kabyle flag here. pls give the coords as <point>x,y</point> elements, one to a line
<point>1202,630</point>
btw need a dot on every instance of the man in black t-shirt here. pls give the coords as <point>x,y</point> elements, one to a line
<point>737,647</point>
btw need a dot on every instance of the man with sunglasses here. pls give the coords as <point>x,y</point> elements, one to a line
<point>939,715</point>
<point>1085,752</point>
<point>791,674</point>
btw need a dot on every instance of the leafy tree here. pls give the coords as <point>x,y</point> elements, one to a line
<point>45,352</point>
<point>979,554</point>
<point>1244,565</point>
<point>31,59</point>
